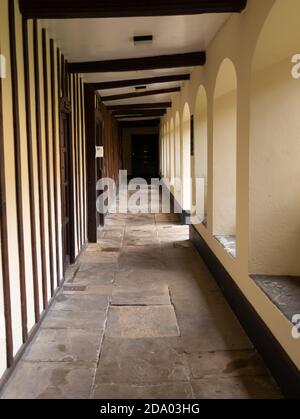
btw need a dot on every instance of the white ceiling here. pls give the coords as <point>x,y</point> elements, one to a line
<point>108,39</point>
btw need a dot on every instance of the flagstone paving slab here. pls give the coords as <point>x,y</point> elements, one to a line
<point>260,387</point>
<point>170,391</point>
<point>85,320</point>
<point>141,361</point>
<point>51,380</point>
<point>225,363</point>
<point>93,303</point>
<point>68,345</point>
<point>142,322</point>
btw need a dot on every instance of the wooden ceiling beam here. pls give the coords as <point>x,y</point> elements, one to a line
<point>140,94</point>
<point>137,117</point>
<point>158,105</point>
<point>144,112</point>
<point>191,59</point>
<point>140,82</point>
<point>140,123</point>
<point>66,9</point>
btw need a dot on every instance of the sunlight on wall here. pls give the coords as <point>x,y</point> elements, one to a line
<point>224,150</point>
<point>186,158</point>
<point>275,146</point>
<point>164,150</point>
<point>201,157</point>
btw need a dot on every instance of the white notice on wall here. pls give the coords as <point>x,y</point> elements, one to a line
<point>99,152</point>
<point>2,67</point>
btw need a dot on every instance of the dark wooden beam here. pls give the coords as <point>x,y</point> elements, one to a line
<point>78,136</point>
<point>139,82</point>
<point>144,112</point>
<point>140,124</point>
<point>66,9</point>
<point>48,163</point>
<point>83,139</point>
<point>158,105</point>
<point>54,107</point>
<point>191,59</point>
<point>132,117</point>
<point>135,118</point>
<point>77,153</point>
<point>91,180</point>
<point>140,94</point>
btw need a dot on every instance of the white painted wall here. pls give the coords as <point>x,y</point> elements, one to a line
<point>275,147</point>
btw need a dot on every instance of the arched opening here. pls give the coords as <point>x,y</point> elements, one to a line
<point>186,159</point>
<point>167,174</point>
<point>165,150</point>
<point>274,239</point>
<point>162,139</point>
<point>201,162</point>
<point>224,156</point>
<point>172,152</point>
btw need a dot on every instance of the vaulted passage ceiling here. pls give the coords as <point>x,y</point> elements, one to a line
<point>98,40</point>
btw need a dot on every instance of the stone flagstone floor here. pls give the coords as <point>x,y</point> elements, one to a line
<point>140,317</point>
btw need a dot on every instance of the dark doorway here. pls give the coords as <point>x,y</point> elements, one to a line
<point>67,190</point>
<point>99,167</point>
<point>145,156</point>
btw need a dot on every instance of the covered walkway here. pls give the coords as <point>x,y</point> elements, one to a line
<point>201,98</point>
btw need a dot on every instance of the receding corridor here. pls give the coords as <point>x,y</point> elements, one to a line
<point>195,292</point>
<point>141,317</point>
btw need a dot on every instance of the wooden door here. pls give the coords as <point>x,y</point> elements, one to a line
<point>67,191</point>
<point>145,156</point>
<point>99,167</point>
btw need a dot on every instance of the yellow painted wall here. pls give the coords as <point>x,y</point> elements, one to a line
<point>238,40</point>
<point>275,147</point>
